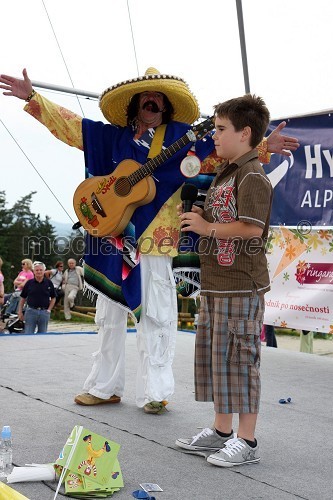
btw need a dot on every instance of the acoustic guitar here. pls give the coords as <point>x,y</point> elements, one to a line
<point>105,204</point>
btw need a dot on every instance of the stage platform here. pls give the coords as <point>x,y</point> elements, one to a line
<point>40,375</point>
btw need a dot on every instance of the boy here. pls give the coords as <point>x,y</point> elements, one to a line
<point>233,228</point>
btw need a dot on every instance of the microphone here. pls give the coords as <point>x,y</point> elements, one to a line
<point>188,196</point>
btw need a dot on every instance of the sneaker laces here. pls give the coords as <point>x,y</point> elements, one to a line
<point>232,446</point>
<point>204,433</point>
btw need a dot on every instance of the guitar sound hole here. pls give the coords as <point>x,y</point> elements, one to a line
<point>122,186</point>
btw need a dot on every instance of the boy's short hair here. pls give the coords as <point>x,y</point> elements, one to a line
<point>246,111</point>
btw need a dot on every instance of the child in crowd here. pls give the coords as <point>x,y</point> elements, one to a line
<point>233,228</point>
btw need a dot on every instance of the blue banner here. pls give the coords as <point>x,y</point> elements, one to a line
<point>303,187</point>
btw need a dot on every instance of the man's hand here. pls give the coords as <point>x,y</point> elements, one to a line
<point>281,144</point>
<point>16,87</point>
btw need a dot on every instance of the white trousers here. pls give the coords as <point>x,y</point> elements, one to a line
<point>156,338</point>
<point>69,298</point>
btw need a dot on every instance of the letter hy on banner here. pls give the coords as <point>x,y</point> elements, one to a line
<point>303,183</point>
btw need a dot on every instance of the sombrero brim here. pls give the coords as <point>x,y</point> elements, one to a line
<point>115,100</point>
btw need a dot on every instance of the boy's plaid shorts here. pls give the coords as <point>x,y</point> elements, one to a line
<point>227,353</point>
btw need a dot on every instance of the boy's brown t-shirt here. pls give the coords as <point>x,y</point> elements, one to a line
<point>242,192</point>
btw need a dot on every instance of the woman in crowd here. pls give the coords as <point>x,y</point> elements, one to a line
<point>56,276</point>
<point>19,282</point>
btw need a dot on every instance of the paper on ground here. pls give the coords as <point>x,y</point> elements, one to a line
<point>42,473</point>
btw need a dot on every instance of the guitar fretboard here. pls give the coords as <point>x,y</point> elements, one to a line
<point>151,165</point>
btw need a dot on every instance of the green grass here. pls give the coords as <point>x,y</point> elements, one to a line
<point>287,331</point>
<point>296,333</point>
<point>59,316</point>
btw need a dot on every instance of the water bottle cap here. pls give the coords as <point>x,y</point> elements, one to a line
<point>6,432</point>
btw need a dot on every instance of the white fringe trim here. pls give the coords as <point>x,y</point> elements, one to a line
<point>189,276</point>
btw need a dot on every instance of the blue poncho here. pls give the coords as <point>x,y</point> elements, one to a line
<point>105,146</point>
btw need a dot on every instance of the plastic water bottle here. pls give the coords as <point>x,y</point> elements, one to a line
<point>2,464</point>
<point>6,451</point>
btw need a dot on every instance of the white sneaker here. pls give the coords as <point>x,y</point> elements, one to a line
<point>236,451</point>
<point>206,440</point>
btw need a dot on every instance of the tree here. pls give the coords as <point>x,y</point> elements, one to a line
<point>24,234</point>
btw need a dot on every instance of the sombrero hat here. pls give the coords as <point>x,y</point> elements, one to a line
<point>115,100</point>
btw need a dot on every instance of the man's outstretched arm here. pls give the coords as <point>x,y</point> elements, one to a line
<point>62,123</point>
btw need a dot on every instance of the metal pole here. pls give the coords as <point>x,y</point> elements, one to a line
<point>68,90</point>
<point>243,45</point>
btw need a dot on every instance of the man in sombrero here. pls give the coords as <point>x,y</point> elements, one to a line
<point>133,273</point>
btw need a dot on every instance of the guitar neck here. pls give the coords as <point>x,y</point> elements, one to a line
<point>152,164</point>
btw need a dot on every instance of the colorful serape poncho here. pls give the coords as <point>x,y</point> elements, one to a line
<point>105,146</point>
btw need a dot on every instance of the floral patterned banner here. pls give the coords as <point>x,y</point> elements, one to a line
<point>301,271</point>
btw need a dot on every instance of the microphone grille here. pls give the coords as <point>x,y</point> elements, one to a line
<point>189,192</point>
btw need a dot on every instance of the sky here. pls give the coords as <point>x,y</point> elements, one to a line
<point>93,45</point>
